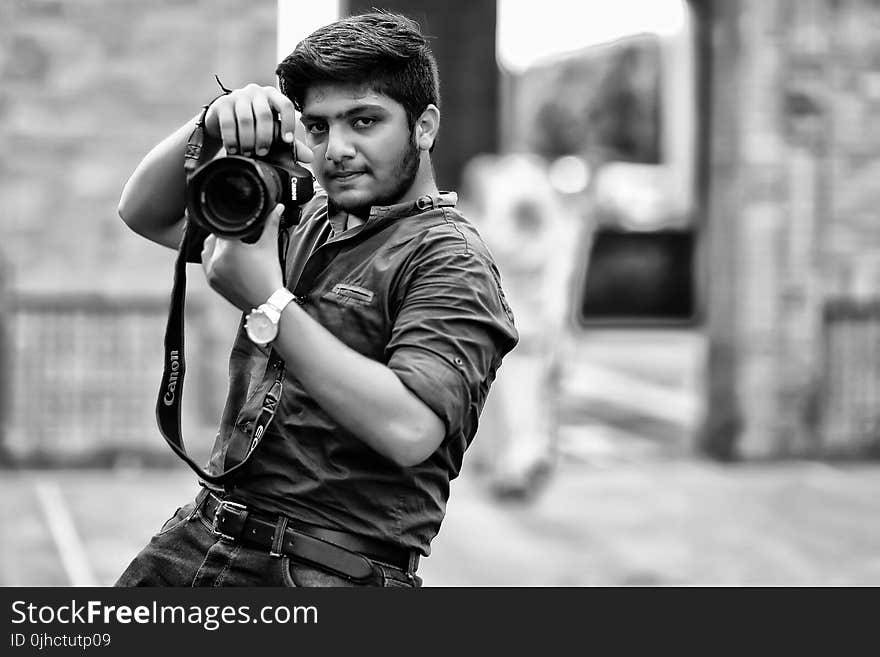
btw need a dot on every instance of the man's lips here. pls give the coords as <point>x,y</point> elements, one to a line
<point>342,176</point>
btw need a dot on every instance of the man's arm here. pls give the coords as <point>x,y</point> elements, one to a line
<point>153,200</point>
<point>363,395</point>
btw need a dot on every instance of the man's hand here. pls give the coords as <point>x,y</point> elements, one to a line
<point>245,121</point>
<point>245,274</point>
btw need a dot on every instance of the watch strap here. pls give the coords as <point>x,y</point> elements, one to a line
<point>269,311</point>
<point>280,298</point>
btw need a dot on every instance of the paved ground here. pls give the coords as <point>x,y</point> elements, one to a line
<point>667,522</point>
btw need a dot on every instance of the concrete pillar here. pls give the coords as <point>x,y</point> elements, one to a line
<point>772,219</point>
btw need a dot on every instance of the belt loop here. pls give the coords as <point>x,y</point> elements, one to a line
<point>200,500</point>
<point>412,566</point>
<point>278,538</point>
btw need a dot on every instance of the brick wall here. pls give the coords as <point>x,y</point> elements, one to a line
<point>89,86</point>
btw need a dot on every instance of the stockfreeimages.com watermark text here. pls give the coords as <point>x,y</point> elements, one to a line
<point>210,617</point>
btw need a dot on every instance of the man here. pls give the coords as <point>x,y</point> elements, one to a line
<point>396,328</point>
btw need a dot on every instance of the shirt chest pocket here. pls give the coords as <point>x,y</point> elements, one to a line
<point>347,293</point>
<point>355,314</point>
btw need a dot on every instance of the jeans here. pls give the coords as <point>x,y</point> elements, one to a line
<point>186,552</point>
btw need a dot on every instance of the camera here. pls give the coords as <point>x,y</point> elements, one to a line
<point>232,196</point>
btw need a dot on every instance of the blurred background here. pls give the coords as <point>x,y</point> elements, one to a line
<point>681,199</point>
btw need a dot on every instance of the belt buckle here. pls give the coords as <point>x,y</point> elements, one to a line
<point>224,504</point>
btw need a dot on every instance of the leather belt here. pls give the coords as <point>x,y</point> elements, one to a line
<point>343,553</point>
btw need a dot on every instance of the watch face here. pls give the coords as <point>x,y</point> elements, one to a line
<point>260,329</point>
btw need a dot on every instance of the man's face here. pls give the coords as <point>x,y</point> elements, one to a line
<point>364,150</point>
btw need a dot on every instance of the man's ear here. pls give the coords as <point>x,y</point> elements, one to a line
<point>427,126</point>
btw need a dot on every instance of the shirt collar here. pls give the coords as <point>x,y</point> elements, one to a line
<point>339,220</point>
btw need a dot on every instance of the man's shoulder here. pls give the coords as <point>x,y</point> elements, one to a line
<point>449,229</point>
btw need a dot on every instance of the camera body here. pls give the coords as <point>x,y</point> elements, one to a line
<point>232,196</point>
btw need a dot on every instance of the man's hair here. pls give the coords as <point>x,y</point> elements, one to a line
<point>382,51</point>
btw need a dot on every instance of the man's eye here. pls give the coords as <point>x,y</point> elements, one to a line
<point>363,122</point>
<point>316,128</point>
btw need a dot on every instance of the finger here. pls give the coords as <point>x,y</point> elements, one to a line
<point>264,128</point>
<point>212,125</point>
<point>208,250</point>
<point>270,229</point>
<point>244,122</point>
<point>286,113</point>
<point>228,131</point>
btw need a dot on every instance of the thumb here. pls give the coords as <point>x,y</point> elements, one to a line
<point>270,228</point>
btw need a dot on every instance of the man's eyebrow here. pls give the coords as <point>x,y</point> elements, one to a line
<point>346,114</point>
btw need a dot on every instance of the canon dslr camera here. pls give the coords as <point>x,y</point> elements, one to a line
<point>232,196</point>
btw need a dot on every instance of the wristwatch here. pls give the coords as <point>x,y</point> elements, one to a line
<point>261,323</point>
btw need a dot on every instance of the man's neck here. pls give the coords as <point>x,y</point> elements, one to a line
<point>424,182</point>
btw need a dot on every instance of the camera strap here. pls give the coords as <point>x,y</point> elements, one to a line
<point>170,398</point>
<point>196,139</point>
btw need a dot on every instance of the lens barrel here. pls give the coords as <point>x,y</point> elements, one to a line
<point>232,196</point>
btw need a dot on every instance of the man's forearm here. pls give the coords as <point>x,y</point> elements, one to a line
<point>363,395</point>
<point>153,200</point>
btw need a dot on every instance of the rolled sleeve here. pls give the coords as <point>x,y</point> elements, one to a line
<point>440,386</point>
<point>451,331</point>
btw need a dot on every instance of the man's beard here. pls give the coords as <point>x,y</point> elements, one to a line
<point>404,174</point>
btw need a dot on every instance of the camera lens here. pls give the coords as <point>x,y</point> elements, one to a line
<point>234,198</point>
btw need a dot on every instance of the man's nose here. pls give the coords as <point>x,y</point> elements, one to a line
<point>339,147</point>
